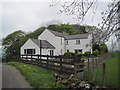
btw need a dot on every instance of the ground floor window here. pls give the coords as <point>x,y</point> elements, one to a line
<point>67,50</point>
<point>61,51</point>
<point>51,52</point>
<point>78,50</point>
<point>29,51</point>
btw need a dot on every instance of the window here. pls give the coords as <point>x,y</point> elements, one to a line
<point>33,51</point>
<point>51,52</point>
<point>61,41</point>
<point>61,51</point>
<point>77,41</point>
<point>67,50</point>
<point>78,50</point>
<point>67,42</point>
<point>29,51</point>
<point>25,51</point>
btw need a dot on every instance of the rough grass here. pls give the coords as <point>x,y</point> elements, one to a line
<point>112,78</point>
<point>36,76</point>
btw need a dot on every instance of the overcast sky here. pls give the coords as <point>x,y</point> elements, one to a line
<point>28,15</point>
<point>31,14</point>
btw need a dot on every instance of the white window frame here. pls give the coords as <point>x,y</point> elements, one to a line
<point>66,42</point>
<point>77,41</point>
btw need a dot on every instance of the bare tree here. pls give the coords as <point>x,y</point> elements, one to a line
<point>78,8</point>
<point>111,18</point>
<point>95,32</point>
<point>111,21</point>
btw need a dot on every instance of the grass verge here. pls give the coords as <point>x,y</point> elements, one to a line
<point>112,78</point>
<point>36,76</point>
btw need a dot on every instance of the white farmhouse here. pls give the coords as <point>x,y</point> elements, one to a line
<point>54,43</point>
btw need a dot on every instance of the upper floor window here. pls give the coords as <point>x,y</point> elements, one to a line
<point>67,42</point>
<point>77,41</point>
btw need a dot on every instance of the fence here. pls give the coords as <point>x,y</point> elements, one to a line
<point>60,64</point>
<point>92,63</point>
<point>64,64</point>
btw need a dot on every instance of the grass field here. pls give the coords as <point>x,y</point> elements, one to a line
<point>36,76</point>
<point>112,78</point>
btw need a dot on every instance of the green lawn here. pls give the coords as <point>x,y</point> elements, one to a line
<point>36,76</point>
<point>111,79</point>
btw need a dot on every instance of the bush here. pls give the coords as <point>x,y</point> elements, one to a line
<point>103,49</point>
<point>69,54</point>
<point>96,53</point>
<point>96,47</point>
<point>79,53</point>
<point>87,53</point>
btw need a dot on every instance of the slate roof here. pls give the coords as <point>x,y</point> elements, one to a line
<point>57,33</point>
<point>78,36</point>
<point>70,37</point>
<point>45,43</point>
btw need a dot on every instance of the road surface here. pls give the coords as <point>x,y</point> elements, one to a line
<point>11,78</point>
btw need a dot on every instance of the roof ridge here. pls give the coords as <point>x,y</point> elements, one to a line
<point>78,34</point>
<point>56,33</point>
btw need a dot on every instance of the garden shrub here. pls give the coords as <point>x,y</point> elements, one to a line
<point>79,53</point>
<point>87,53</point>
<point>96,53</point>
<point>96,47</point>
<point>103,49</point>
<point>69,54</point>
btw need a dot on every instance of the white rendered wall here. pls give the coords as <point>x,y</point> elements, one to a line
<point>30,45</point>
<point>83,43</point>
<point>54,40</point>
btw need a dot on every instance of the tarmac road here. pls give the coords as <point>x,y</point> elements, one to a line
<point>11,78</point>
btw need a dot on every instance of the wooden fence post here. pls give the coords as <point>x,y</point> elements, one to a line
<point>31,59</point>
<point>60,64</point>
<point>93,64</point>
<point>88,66</point>
<point>26,58</point>
<point>96,61</point>
<point>47,61</point>
<point>21,58</point>
<point>103,76</point>
<point>75,66</point>
<point>40,62</point>
<point>38,59</point>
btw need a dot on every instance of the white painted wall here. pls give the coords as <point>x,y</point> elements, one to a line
<point>46,51</point>
<point>83,43</point>
<point>31,45</point>
<point>54,40</point>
